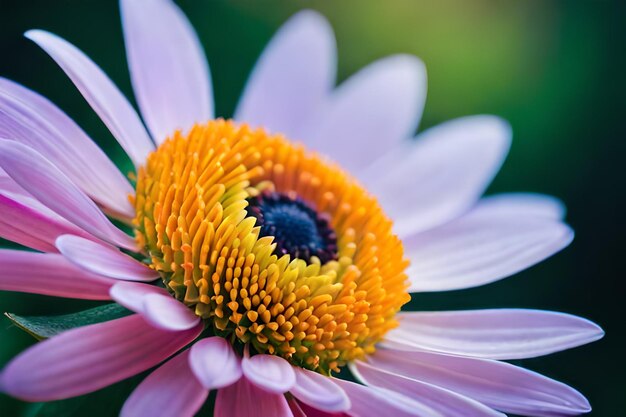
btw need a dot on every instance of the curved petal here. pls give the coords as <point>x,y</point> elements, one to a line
<point>49,274</point>
<point>85,359</point>
<point>103,259</point>
<point>155,304</point>
<point>271,373</point>
<point>35,121</point>
<point>168,68</point>
<point>373,110</point>
<point>131,294</point>
<point>480,248</point>
<point>26,221</point>
<point>446,402</point>
<point>100,92</point>
<point>171,390</point>
<point>376,402</point>
<point>319,391</point>
<point>214,363</point>
<point>168,313</point>
<point>500,385</point>
<point>493,334</point>
<point>292,78</point>
<point>427,183</point>
<point>244,399</point>
<point>524,204</point>
<point>52,188</point>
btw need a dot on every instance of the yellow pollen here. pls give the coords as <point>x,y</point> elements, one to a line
<point>191,217</point>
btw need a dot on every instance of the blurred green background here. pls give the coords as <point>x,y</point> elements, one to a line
<point>554,69</point>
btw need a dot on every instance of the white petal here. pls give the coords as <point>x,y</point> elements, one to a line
<point>166,312</point>
<point>168,68</point>
<point>480,248</point>
<point>505,387</point>
<point>448,403</point>
<point>29,118</point>
<point>319,391</point>
<point>494,334</point>
<point>292,78</point>
<point>103,259</point>
<point>524,204</point>
<point>269,372</point>
<point>52,188</point>
<point>101,94</point>
<point>427,183</point>
<point>372,111</point>
<point>215,363</point>
<point>131,294</point>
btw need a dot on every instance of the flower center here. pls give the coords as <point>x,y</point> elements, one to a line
<point>272,245</point>
<point>297,229</point>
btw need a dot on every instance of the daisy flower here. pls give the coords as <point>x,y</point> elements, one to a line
<point>273,250</point>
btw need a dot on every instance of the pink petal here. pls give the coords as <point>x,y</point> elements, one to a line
<point>88,358</point>
<point>52,188</point>
<point>269,372</point>
<point>292,78</point>
<point>500,385</point>
<point>103,259</point>
<point>493,334</point>
<point>445,402</point>
<point>481,247</point>
<point>244,399</point>
<point>155,304</point>
<point>168,313</point>
<point>131,294</point>
<point>100,92</point>
<point>377,402</point>
<point>26,221</point>
<point>524,204</point>
<point>373,110</point>
<point>300,409</point>
<point>319,391</point>
<point>431,181</point>
<point>36,122</point>
<point>215,363</point>
<point>171,390</point>
<point>168,68</point>
<point>49,274</point>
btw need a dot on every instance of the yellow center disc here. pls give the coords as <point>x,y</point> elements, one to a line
<point>191,217</point>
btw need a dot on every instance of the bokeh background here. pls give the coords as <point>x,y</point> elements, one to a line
<point>554,69</point>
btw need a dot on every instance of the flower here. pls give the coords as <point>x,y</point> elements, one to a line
<point>260,267</point>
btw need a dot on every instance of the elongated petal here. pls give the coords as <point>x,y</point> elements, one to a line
<point>376,402</point>
<point>494,334</point>
<point>33,120</point>
<point>26,221</point>
<point>155,304</point>
<point>171,390</point>
<point>444,401</point>
<point>319,391</point>
<point>505,387</point>
<point>103,259</point>
<point>49,274</point>
<point>292,78</point>
<point>271,373</point>
<point>244,399</point>
<point>480,248</point>
<point>524,204</point>
<point>168,68</point>
<point>214,363</point>
<point>52,188</point>
<point>88,358</point>
<point>427,183</point>
<point>100,92</point>
<point>376,108</point>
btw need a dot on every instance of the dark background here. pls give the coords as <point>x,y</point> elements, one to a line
<point>554,69</point>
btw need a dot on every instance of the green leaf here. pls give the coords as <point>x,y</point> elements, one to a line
<point>43,327</point>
